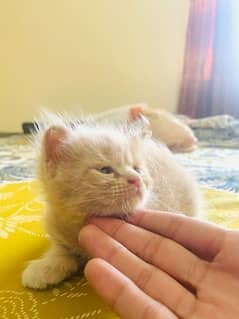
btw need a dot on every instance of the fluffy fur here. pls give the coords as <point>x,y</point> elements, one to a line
<point>96,169</point>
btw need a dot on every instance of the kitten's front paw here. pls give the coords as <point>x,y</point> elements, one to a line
<point>44,272</point>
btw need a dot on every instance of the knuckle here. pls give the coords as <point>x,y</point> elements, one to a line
<point>184,305</point>
<point>197,272</point>
<point>117,229</point>
<point>191,271</point>
<point>139,218</point>
<point>175,226</point>
<point>144,277</point>
<point>114,252</point>
<point>150,311</point>
<point>116,298</point>
<point>152,247</point>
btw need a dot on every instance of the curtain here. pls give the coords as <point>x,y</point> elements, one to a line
<point>210,81</point>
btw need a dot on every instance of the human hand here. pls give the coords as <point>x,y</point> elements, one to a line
<point>163,265</point>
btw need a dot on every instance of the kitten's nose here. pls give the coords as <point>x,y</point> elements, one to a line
<point>134,181</point>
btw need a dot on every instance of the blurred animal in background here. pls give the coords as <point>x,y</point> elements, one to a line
<point>171,130</point>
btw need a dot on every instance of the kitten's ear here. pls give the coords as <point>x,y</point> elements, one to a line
<point>54,140</point>
<point>137,110</point>
<point>145,130</point>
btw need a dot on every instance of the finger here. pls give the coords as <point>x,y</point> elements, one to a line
<point>202,238</point>
<point>122,294</point>
<point>157,250</point>
<point>154,282</point>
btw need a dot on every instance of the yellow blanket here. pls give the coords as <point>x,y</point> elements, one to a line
<point>22,238</point>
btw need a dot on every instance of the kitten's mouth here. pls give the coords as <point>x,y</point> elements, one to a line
<point>139,193</point>
<point>136,191</point>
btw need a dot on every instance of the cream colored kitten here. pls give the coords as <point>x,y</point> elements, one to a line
<point>93,169</point>
<point>178,136</point>
<point>165,126</point>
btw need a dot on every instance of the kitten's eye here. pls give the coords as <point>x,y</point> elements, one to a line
<point>137,169</point>
<point>106,170</point>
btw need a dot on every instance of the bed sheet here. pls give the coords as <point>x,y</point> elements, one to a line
<point>17,158</point>
<point>214,167</point>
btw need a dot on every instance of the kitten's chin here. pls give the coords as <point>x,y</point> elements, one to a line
<point>120,206</point>
<point>135,201</point>
<point>126,206</point>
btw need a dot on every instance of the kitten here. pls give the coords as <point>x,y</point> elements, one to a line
<point>176,134</point>
<point>165,126</point>
<point>94,169</point>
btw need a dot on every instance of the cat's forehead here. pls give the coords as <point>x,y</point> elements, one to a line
<point>107,144</point>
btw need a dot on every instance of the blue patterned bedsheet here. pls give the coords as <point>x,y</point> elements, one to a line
<point>17,158</point>
<point>214,167</point>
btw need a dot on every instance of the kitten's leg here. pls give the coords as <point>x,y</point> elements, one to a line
<point>56,265</point>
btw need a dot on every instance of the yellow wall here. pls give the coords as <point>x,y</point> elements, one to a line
<point>89,53</point>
